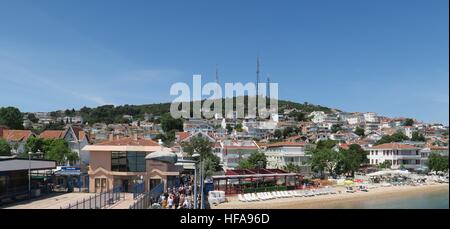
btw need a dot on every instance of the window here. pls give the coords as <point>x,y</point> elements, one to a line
<point>136,161</point>
<point>128,161</point>
<point>119,161</point>
<point>100,185</point>
<point>417,162</point>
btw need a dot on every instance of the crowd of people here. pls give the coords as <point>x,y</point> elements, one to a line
<point>179,197</point>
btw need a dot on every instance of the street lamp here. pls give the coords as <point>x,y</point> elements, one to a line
<point>29,175</point>
<point>195,156</point>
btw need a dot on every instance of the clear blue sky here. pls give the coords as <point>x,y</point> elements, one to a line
<point>387,56</point>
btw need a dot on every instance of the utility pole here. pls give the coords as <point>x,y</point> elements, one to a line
<point>217,74</point>
<point>257,86</point>
<point>257,77</point>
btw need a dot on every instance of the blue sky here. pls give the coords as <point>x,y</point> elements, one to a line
<point>387,56</point>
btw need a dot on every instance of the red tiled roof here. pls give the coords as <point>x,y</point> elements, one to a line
<point>286,144</point>
<point>129,142</point>
<point>16,135</point>
<point>240,147</point>
<point>393,146</point>
<point>183,135</point>
<point>344,146</point>
<point>78,132</point>
<point>52,134</point>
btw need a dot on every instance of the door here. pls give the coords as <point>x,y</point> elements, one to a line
<point>125,185</point>
<point>154,183</point>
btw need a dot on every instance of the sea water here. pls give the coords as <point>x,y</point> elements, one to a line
<point>427,200</point>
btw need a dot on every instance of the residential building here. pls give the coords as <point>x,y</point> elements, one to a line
<point>281,154</point>
<point>75,136</point>
<point>397,155</point>
<point>16,138</point>
<point>371,117</point>
<point>234,151</point>
<point>121,162</point>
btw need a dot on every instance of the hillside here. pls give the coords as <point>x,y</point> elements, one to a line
<point>114,114</point>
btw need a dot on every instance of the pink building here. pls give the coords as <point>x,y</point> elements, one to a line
<point>121,162</point>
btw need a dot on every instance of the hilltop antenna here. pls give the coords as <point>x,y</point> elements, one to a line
<point>257,76</point>
<point>217,74</point>
<point>268,86</point>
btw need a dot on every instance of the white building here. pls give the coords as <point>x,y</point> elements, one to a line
<point>409,130</point>
<point>371,117</point>
<point>397,155</point>
<point>281,154</point>
<point>355,120</point>
<point>318,116</point>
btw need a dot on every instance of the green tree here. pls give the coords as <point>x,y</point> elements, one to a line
<point>385,165</point>
<point>335,128</point>
<point>5,148</point>
<point>59,151</point>
<point>408,122</point>
<point>292,168</point>
<point>288,131</point>
<point>396,137</point>
<point>416,136</point>
<point>239,127</point>
<point>203,147</point>
<point>34,144</point>
<point>278,134</point>
<point>326,144</point>
<point>352,159</point>
<point>437,162</point>
<point>55,125</point>
<point>229,128</point>
<point>299,116</point>
<point>168,138</point>
<point>324,160</point>
<point>32,118</point>
<point>11,117</point>
<point>359,131</point>
<point>168,123</point>
<point>256,160</point>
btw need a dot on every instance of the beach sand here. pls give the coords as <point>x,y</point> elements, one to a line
<point>328,201</point>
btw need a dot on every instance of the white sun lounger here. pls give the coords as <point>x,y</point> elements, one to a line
<point>297,193</point>
<point>268,196</point>
<point>250,198</point>
<point>261,196</point>
<point>241,198</point>
<point>292,193</point>
<point>276,195</point>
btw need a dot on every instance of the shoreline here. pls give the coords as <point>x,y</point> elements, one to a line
<point>330,201</point>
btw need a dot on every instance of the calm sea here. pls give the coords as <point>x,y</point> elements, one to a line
<point>429,200</point>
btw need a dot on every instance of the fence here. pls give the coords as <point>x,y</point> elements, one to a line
<point>138,189</point>
<point>145,200</point>
<point>99,201</point>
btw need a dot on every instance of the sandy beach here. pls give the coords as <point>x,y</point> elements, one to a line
<point>329,201</point>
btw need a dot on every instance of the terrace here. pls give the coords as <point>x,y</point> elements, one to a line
<point>254,180</point>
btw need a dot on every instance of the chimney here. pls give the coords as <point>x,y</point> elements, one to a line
<point>135,137</point>
<point>117,137</point>
<point>111,137</point>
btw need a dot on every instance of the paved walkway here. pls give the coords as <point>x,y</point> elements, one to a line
<point>125,203</point>
<point>53,201</point>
